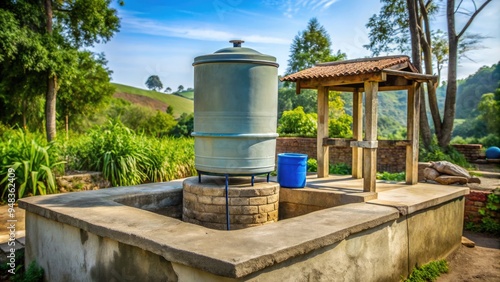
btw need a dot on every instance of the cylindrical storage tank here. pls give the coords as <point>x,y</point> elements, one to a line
<point>235,111</point>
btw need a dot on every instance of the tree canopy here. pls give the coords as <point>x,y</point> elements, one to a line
<point>310,47</point>
<point>154,83</point>
<point>42,41</point>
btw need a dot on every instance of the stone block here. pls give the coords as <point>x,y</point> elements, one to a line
<point>214,192</point>
<point>272,216</point>
<point>249,209</point>
<point>189,196</point>
<point>219,200</point>
<point>257,201</point>
<point>238,201</point>
<point>266,208</point>
<point>272,199</point>
<point>234,210</point>
<point>205,199</point>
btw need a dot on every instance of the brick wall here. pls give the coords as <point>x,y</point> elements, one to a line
<point>388,159</point>
<point>473,203</point>
<point>472,152</point>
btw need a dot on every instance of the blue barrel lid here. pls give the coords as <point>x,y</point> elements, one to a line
<point>236,54</point>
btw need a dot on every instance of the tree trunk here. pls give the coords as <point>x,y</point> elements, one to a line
<point>50,96</point>
<point>50,108</point>
<point>451,89</point>
<point>426,43</point>
<point>416,58</point>
<point>67,126</point>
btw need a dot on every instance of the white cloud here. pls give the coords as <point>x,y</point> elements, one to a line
<point>157,28</point>
<point>292,7</point>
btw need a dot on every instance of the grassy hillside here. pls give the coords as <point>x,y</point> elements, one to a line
<point>180,104</point>
<point>186,94</point>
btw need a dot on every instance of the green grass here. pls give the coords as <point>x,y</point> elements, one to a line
<point>428,272</point>
<point>180,104</point>
<point>187,94</point>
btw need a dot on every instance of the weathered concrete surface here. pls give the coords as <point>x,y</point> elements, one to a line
<point>230,254</point>
<point>67,253</point>
<point>410,199</point>
<point>345,243</point>
<point>435,232</point>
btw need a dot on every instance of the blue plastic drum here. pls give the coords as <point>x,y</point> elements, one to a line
<point>493,153</point>
<point>292,170</point>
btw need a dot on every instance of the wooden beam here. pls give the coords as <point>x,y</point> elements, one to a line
<point>322,151</point>
<point>364,144</point>
<point>370,154</point>
<point>337,142</point>
<point>341,80</point>
<point>412,75</point>
<point>412,124</point>
<point>357,133</point>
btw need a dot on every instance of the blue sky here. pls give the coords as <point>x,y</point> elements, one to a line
<point>163,37</point>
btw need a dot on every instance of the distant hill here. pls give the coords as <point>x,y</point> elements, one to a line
<point>155,100</point>
<point>186,94</point>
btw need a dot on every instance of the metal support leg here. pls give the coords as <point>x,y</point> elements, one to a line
<point>227,202</point>
<point>199,176</point>
<point>253,178</point>
<point>268,177</point>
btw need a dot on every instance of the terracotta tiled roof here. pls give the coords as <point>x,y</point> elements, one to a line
<point>351,67</point>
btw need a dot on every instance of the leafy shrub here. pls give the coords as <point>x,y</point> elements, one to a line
<point>340,127</point>
<point>297,122</point>
<point>340,168</point>
<point>436,153</point>
<point>126,159</point>
<point>488,223</point>
<point>184,126</point>
<point>398,176</point>
<point>33,160</point>
<point>428,272</point>
<point>312,165</point>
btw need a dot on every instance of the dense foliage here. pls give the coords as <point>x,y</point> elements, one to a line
<point>124,158</point>
<point>310,47</point>
<point>471,90</point>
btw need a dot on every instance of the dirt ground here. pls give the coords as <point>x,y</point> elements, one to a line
<point>481,263</point>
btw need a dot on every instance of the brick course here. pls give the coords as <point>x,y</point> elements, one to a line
<point>205,204</point>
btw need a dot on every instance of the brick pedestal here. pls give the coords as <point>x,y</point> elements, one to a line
<point>205,203</point>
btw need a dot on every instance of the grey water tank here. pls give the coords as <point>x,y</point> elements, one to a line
<point>235,111</point>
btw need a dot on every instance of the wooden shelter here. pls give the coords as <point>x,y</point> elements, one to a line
<point>368,75</point>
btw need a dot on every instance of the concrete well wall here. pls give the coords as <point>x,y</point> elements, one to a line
<point>92,236</point>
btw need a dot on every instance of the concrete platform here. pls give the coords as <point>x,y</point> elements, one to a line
<point>95,230</point>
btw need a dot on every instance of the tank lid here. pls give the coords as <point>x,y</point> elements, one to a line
<point>236,54</point>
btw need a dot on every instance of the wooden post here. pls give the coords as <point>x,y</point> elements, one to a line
<point>323,155</point>
<point>412,123</point>
<point>357,132</point>
<point>370,154</point>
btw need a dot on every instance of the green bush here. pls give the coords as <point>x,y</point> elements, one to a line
<point>398,176</point>
<point>340,127</point>
<point>126,159</point>
<point>436,153</point>
<point>312,165</point>
<point>32,160</point>
<point>340,168</point>
<point>428,272</point>
<point>297,122</point>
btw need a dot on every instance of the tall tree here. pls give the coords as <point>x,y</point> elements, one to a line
<point>91,88</point>
<point>180,89</point>
<point>389,32</point>
<point>453,43</point>
<point>310,47</point>
<point>154,83</point>
<point>58,29</point>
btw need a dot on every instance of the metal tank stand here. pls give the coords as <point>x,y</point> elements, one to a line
<point>227,189</point>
